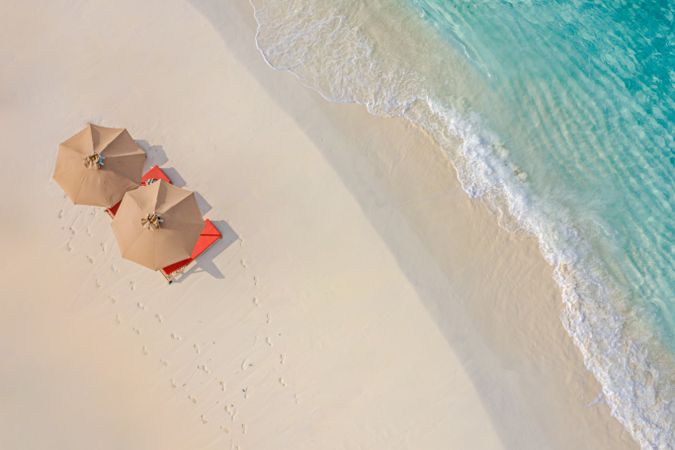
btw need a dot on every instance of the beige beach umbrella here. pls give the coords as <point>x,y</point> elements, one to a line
<point>157,225</point>
<point>98,165</point>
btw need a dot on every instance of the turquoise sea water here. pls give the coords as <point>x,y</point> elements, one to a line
<point>586,108</point>
<point>564,113</point>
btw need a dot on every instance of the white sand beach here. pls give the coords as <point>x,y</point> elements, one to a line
<point>358,300</point>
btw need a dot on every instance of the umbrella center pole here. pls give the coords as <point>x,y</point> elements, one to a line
<point>94,161</point>
<point>152,221</point>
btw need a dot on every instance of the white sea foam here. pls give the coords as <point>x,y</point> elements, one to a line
<point>329,51</point>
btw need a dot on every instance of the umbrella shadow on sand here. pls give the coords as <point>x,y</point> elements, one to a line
<point>155,154</point>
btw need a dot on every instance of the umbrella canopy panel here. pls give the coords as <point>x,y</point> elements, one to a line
<point>157,225</point>
<point>98,165</point>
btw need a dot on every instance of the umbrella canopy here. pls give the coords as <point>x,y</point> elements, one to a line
<point>158,224</point>
<point>98,165</point>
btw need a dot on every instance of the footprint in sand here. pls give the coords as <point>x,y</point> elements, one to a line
<point>140,306</point>
<point>255,301</point>
<point>145,351</point>
<point>90,259</point>
<point>269,318</point>
<point>118,319</point>
<point>243,263</point>
<point>268,341</point>
<point>60,214</point>
<point>113,300</point>
<point>245,391</point>
<point>174,385</point>
<point>243,428</point>
<point>223,385</point>
<point>196,348</point>
<point>204,368</point>
<point>231,410</point>
<point>114,268</point>
<point>69,247</point>
<point>282,359</point>
<point>245,364</point>
<point>132,285</point>
<point>282,382</point>
<point>297,399</point>
<point>164,362</point>
<point>97,282</point>
<point>102,245</point>
<point>255,280</point>
<point>192,399</point>
<point>176,337</point>
<point>136,330</point>
<point>203,418</point>
<point>225,429</point>
<point>159,318</point>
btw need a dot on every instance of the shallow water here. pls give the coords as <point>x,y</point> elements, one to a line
<point>564,112</point>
